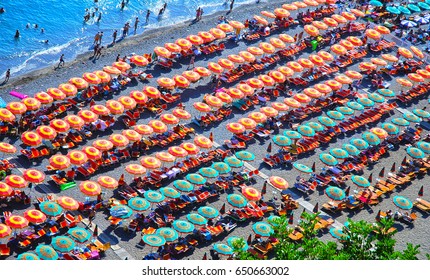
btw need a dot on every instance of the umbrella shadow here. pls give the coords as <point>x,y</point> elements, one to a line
<point>107,236</point>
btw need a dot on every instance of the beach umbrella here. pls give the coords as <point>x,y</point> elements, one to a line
<point>343,79</point>
<point>415,153</point>
<point>245,155</point>
<point>279,182</point>
<point>328,159</point>
<point>424,73</point>
<point>274,220</point>
<point>190,148</point>
<point>333,84</point>
<point>355,106</point>
<point>121,211</point>
<point>90,188</point>
<point>7,148</point>
<point>100,110</point>
<point>411,117</point>
<point>115,107</point>
<point>31,103</point>
<point>404,82</point>
<point>335,193</point>
<point>359,143</point>
<point>56,93</point>
<point>59,162</point>
<point>400,121</point>
<point>323,88</point>
<point>208,172</point>
<point>138,204</point>
<point>90,78</point>
<point>154,240</point>
<point>338,49</point>
<point>177,152</point>
<point>203,142</point>
<point>247,123</point>
<point>326,121</point>
<point>339,153</point>
<point>391,129</point>
<point>28,257</point>
<point>416,77</point>
<point>345,110</point>
<point>16,222</point>
<point>154,196</point>
<point>338,233</point>
<point>169,234</point>
<point>169,119</point>
<point>335,115</point>
<point>195,178</point>
<point>197,219</point>
<point>183,43</point>
<point>111,70</point>
<point>165,82</point>
<point>360,181</point>
<point>231,241</point>
<point>251,193</point>
<point>169,192</point>
<point>263,229</point>
<point>132,135</point>
<point>371,138</point>
<point>143,129</point>
<point>366,102</point>
<point>221,167</point>
<point>139,97</point>
<point>393,10</point>
<point>79,234</point>
<point>92,153</point>
<point>257,117</point>
<point>63,244</point>
<point>150,162</point>
<point>423,5</point>
<point>183,226</point>
<point>295,66</point>
<point>414,8</point>
<point>311,92</point>
<point>237,200</point>
<point>386,92</point>
<point>158,126</point>
<point>302,167</point>
<point>88,116</point>
<point>103,145</point>
<point>298,98</point>
<point>292,134</point>
<point>281,140</point>
<point>15,108</point>
<point>223,249</point>
<point>44,98</point>
<point>315,126</point>
<point>15,181</point>
<point>31,138</point>
<point>208,212</point>
<point>34,216</point>
<point>165,157</point>
<point>286,71</point>
<point>74,121</point>
<point>121,65</point>
<point>306,130</point>
<point>107,182</point>
<point>5,190</point>
<point>46,132</point>
<point>183,185</point>
<point>105,77</point>
<point>68,203</point>
<point>376,97</point>
<point>233,162</point>
<point>381,133</point>
<point>77,157</point>
<point>46,252</point>
<point>320,25</point>
<point>424,146</point>
<point>402,202</point>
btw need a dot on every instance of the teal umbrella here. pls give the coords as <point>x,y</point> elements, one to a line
<point>208,212</point>
<point>197,219</point>
<point>153,196</point>
<point>208,172</point>
<point>345,110</point>
<point>390,128</point>
<point>335,115</point>
<point>402,202</point>
<point>196,179</point>
<point>414,8</point>
<point>339,153</point>
<point>28,257</point>
<point>63,244</point>
<point>154,240</point>
<point>423,5</point>
<point>274,220</point>
<point>335,193</point>
<point>292,134</point>
<point>376,97</point>
<point>169,234</point>
<point>351,149</point>
<point>338,233</point>
<point>415,152</point>
<point>375,3</point>
<point>262,228</point>
<point>421,113</point>
<point>183,185</point>
<point>328,159</point>
<point>223,249</point>
<point>326,121</point>
<point>50,208</point>
<point>359,143</point>
<point>355,106</point>
<point>281,140</point>
<point>411,117</point>
<point>138,203</point>
<point>400,121</point>
<point>183,226</point>
<point>232,240</point>
<point>237,200</point>
<point>316,126</point>
<point>121,211</point>
<point>221,167</point>
<point>424,146</point>
<point>386,92</point>
<point>366,102</point>
<point>46,252</point>
<point>371,138</point>
<point>302,167</point>
<point>169,192</point>
<point>79,234</point>
<point>393,10</point>
<point>306,131</point>
<point>360,181</point>
<point>245,155</point>
<point>233,162</point>
<point>404,10</point>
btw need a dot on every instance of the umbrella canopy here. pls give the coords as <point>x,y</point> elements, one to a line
<point>281,140</point>
<point>79,234</point>
<point>360,181</point>
<point>402,202</point>
<point>90,188</point>
<point>77,157</point>
<point>28,257</point>
<point>245,155</point>
<point>400,121</point>
<point>183,226</point>
<point>355,106</point>
<point>16,222</point>
<point>391,129</point>
<point>274,220</point>
<point>34,176</point>
<point>197,219</point>
<point>326,121</point>
<point>233,162</point>
<point>50,208</point>
<point>169,192</point>
<point>31,138</point>
<point>63,244</point>
<point>371,138</point>
<point>68,203</point>
<point>34,216</point>
<point>351,149</point>
<point>221,167</point>
<point>328,159</point>
<point>366,102</point>
<point>335,193</point>
<point>386,92</point>
<point>292,134</point>
<point>138,204</point>
<point>251,193</point>
<point>345,110</point>
<point>183,185</point>
<point>306,130</point>
<point>315,126</point>
<point>381,133</point>
<point>415,153</point>
<point>208,212</point>
<point>15,181</point>
<point>223,249</point>
<point>302,167</point>
<point>339,153</point>
<point>4,230</point>
<point>359,143</point>
<point>335,115</point>
<point>421,113</point>
<point>169,234</point>
<point>121,211</point>
<point>338,233</point>
<point>196,179</point>
<point>279,182</point>
<point>150,162</point>
<point>424,146</point>
<point>154,240</point>
<point>46,252</point>
<point>262,228</point>
<point>411,117</point>
<point>5,190</point>
<point>154,196</point>
<point>237,200</point>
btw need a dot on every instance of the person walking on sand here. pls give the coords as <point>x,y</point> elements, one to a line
<point>6,78</point>
<point>96,38</point>
<point>115,33</point>
<point>193,58</point>
<point>136,23</point>
<point>91,217</point>
<point>147,16</point>
<point>61,61</point>
<point>100,38</point>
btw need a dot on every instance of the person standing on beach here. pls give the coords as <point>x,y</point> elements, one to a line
<point>96,38</point>
<point>61,61</point>
<point>115,33</point>
<point>192,60</point>
<point>96,47</point>
<point>147,16</point>
<point>136,23</point>
<point>117,58</point>
<point>6,78</point>
<point>100,38</point>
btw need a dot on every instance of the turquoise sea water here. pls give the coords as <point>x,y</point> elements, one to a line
<point>66,31</point>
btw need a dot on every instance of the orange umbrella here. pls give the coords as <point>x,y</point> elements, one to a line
<point>277,76</point>
<point>88,116</point>
<point>257,117</point>
<point>349,16</point>
<point>91,78</point>
<point>121,65</point>
<point>267,80</point>
<point>7,148</point>
<point>206,36</point>
<point>100,110</point>
<point>56,93</point>
<point>261,20</point>
<point>34,216</point>
<point>163,52</point>
<point>213,101</point>
<point>279,106</point>
<point>139,97</point>
<point>311,92</point>
<point>247,56</point>
<point>325,55</point>
<point>320,25</point>
<point>46,132</point>
<point>90,188</point>
<point>295,66</point>
<point>177,151</point>
<point>311,3</point>
<point>268,14</point>
<point>289,7</point>
<point>236,58</point>
<point>195,40</point>
<point>269,111</point>
<point>224,97</point>
<point>191,76</point>
<point>346,44</point>
<point>132,135</point>
<point>68,89</point>
<point>127,102</point>
<point>381,133</point>
<point>34,176</point>
<point>74,121</point>
<point>235,128</point>
<point>77,157</point>
<point>181,114</point>
<point>202,71</point>
<point>79,83</point>
<point>16,108</point>
<point>140,60</point>
<point>31,138</point>
<point>172,47</point>
<point>340,19</point>
<point>184,43</point>
<point>424,73</point>
<point>158,126</point>
<point>247,123</point>
<point>277,43</point>
<point>92,153</point>
<point>373,34</point>
<point>311,30</point>
<point>286,38</point>
<point>225,27</point>
<point>358,13</point>
<point>6,115</point>
<point>404,82</point>
<point>15,181</point>
<point>119,140</point>
<point>354,75</point>
<point>255,83</point>
<point>316,60</point>
<point>382,29</point>
<point>169,119</point>
<point>416,77</point>
<point>286,71</point>
<point>111,70</point>
<point>59,162</point>
<point>191,148</point>
<point>203,142</point>
<point>15,221</point>
<point>343,79</point>
<point>330,22</point>
<point>417,52</point>
<point>166,157</point>
<point>255,51</point>
<point>338,49</point>
<point>323,88</point>
<point>235,93</point>
<point>32,103</point>
<point>281,12</point>
<point>278,182</point>
<point>103,145</point>
<point>143,129</point>
<point>333,84</point>
<point>202,107</point>
<point>293,103</point>
<point>389,57</point>
<point>378,61</point>
<point>153,92</point>
<point>103,76</point>
<point>405,52</point>
<point>267,48</point>
<point>43,97</point>
<point>217,33</point>
<point>355,40</point>
<point>215,67</point>
<point>150,162</point>
<point>166,82</point>
<point>181,81</point>
<point>135,169</point>
<point>107,182</point>
<point>306,63</point>
<point>245,88</point>
<point>68,203</point>
<point>226,63</point>
<point>300,5</point>
<point>367,66</point>
<point>302,98</point>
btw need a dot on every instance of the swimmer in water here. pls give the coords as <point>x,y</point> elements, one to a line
<point>42,30</point>
<point>122,5</point>
<point>100,17</point>
<point>36,26</point>
<point>2,10</point>
<point>17,34</point>
<point>28,25</point>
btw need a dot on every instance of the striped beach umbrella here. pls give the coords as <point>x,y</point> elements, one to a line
<point>315,126</point>
<point>328,159</point>
<point>68,203</point>
<point>5,190</point>
<point>424,146</point>
<point>251,193</point>
<point>412,117</point>
<point>278,182</point>
<point>103,145</point>
<point>371,138</point>
<point>90,188</point>
<point>360,181</point>
<point>169,234</point>
<point>237,200</point>
<point>335,193</point>
<point>391,129</point>
<point>326,121</point>
<point>4,230</point>
<point>281,140</point>
<point>34,176</point>
<point>400,121</point>
<point>63,244</point>
<point>262,228</point>
<point>292,134</point>
<point>15,181</point>
<point>28,257</point>
<point>345,110</point>
<point>31,138</point>
<point>34,216</point>
<point>59,162</point>
<point>195,178</point>
<point>16,222</point>
<point>77,157</point>
<point>221,167</point>
<point>79,234</point>
<point>154,240</point>
<point>50,208</point>
<point>306,130</point>
<point>150,162</point>
<point>107,182</point>
<point>355,106</point>
<point>380,132</point>
<point>138,204</point>
<point>46,252</point>
<point>183,185</point>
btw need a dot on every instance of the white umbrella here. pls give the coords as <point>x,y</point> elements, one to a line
<point>421,20</point>
<point>408,23</point>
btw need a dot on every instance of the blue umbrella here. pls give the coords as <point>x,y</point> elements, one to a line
<point>404,10</point>
<point>400,121</point>
<point>415,152</point>
<point>424,6</point>
<point>237,200</point>
<point>138,204</point>
<point>345,110</point>
<point>28,257</point>
<point>339,153</point>
<point>402,202</point>
<point>197,219</point>
<point>292,134</point>
<point>366,102</point>
<point>408,23</point>
<point>208,212</point>
<point>328,159</point>
<point>233,162</point>
<point>375,3</point>
<point>393,10</point>
<point>386,92</point>
<point>326,121</point>
<point>355,106</point>
<point>351,149</point>
<point>376,97</point>
<point>338,233</point>
<point>316,126</point>
<point>390,128</point>
<point>411,117</point>
<point>154,240</point>
<point>421,113</point>
<point>196,179</point>
<point>302,167</point>
<point>169,192</point>
<point>79,234</point>
<point>46,252</point>
<point>335,193</point>
<point>359,143</point>
<point>424,146</point>
<point>208,172</point>
<point>63,244</point>
<point>360,181</point>
<point>221,167</point>
<point>121,211</point>
<point>335,115</point>
<point>371,138</point>
<point>183,185</point>
<point>414,8</point>
<point>262,228</point>
<point>223,249</point>
<point>169,234</point>
<point>183,226</point>
<point>281,140</point>
<point>231,241</point>
<point>306,130</point>
<point>274,220</point>
<point>421,20</point>
<point>154,196</point>
<point>245,155</point>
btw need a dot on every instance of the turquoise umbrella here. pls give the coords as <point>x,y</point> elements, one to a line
<point>338,233</point>
<point>169,234</point>
<point>375,3</point>
<point>423,5</point>
<point>183,226</point>
<point>138,203</point>
<point>415,152</point>
<point>400,121</point>
<point>402,202</point>
<point>183,185</point>
<point>237,200</point>
<point>221,167</point>
<point>262,228</point>
<point>404,10</point>
<point>421,113</point>
<point>121,211</point>
<point>351,149</point>
<point>359,143</point>
<point>153,196</point>
<point>281,140</point>
<point>360,181</point>
<point>50,208</point>
<point>302,167</point>
<point>28,257</point>
<point>345,110</point>
<point>79,234</point>
<point>326,121</point>
<point>274,220</point>
<point>245,155</point>
<point>414,8</point>
<point>233,162</point>
<point>169,192</point>
<point>306,131</point>
<point>366,102</point>
<point>46,252</point>
<point>390,128</point>
<point>328,159</point>
<point>197,219</point>
<point>231,241</point>
<point>386,92</point>
<point>63,244</point>
<point>411,117</point>
<point>208,172</point>
<point>292,134</point>
<point>196,179</point>
<point>371,138</point>
<point>339,153</point>
<point>208,212</point>
<point>335,115</point>
<point>424,146</point>
<point>223,249</point>
<point>393,10</point>
<point>335,193</point>
<point>376,97</point>
<point>316,126</point>
<point>355,106</point>
<point>154,240</point>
